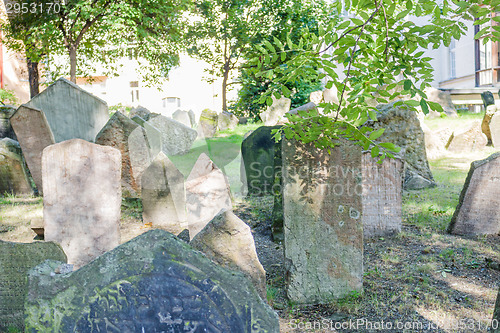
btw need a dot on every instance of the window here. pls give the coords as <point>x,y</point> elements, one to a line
<point>487,59</point>
<point>452,59</point>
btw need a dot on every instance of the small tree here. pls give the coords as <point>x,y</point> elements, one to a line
<point>374,55</point>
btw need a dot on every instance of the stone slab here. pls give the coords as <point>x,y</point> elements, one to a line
<point>207,124</point>
<point>13,173</point>
<point>479,202</point>
<point>163,196</point>
<point>207,192</point>
<point>153,283</point>
<point>276,111</point>
<point>82,198</point>
<point>226,121</point>
<point>34,134</point>
<point>16,259</point>
<point>382,196</point>
<point>495,129</point>
<point>176,138</point>
<point>495,322</point>
<point>468,139</point>
<point>322,210</point>
<point>71,111</point>
<point>6,130</point>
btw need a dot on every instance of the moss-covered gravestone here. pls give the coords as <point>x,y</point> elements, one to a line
<point>6,130</point>
<point>13,172</point>
<point>207,125</point>
<point>15,261</point>
<point>153,283</point>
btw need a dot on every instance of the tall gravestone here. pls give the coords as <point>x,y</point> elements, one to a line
<point>163,196</point>
<point>207,192</point>
<point>16,259</point>
<point>477,210</point>
<point>322,210</point>
<point>153,283</point>
<point>13,174</point>
<point>82,198</point>
<point>6,130</point>
<point>131,140</point>
<point>207,125</point>
<point>258,151</point>
<point>382,196</point>
<point>176,138</point>
<point>34,134</point>
<point>71,111</point>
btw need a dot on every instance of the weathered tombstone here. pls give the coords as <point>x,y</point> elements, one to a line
<point>485,124</point>
<point>71,111</point>
<point>488,98</point>
<point>322,210</point>
<point>130,139</point>
<point>258,151</point>
<point>141,112</point>
<point>16,259</point>
<point>176,138</point>
<point>34,134</point>
<point>163,197</point>
<point>207,125</point>
<point>228,241</point>
<point>474,214</point>
<point>316,97</point>
<point>495,130</point>
<point>138,120</point>
<point>276,111</point>
<point>443,98</point>
<point>207,192</point>
<point>402,128</point>
<point>183,117</point>
<point>382,196</point>
<point>153,135</point>
<point>495,322</point>
<point>468,139</point>
<point>330,95</point>
<point>226,120</point>
<point>6,131</point>
<point>306,107</point>
<point>82,198</point>
<point>13,174</point>
<point>153,283</point>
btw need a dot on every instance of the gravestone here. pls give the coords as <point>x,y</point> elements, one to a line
<point>311,106</point>
<point>402,128</point>
<point>207,192</point>
<point>207,125</point>
<point>474,214</point>
<point>496,315</point>
<point>485,124</point>
<point>322,210</point>
<point>13,174</point>
<point>226,120</point>
<point>141,112</point>
<point>153,283</point>
<point>6,130</point>
<point>468,139</point>
<point>130,139</point>
<point>258,151</point>
<point>316,97</point>
<point>176,138</point>
<point>184,117</point>
<point>495,129</point>
<point>82,198</point>
<point>16,259</point>
<point>276,111</point>
<point>488,98</point>
<point>229,242</point>
<point>71,111</point>
<point>163,197</point>
<point>382,196</point>
<point>443,98</point>
<point>34,134</point>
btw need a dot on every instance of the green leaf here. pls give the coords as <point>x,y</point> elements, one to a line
<point>412,102</point>
<point>269,101</point>
<point>407,85</point>
<point>375,151</point>
<point>390,146</point>
<point>423,105</point>
<point>376,134</point>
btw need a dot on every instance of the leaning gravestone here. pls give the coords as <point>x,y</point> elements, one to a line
<point>207,192</point>
<point>140,111</point>
<point>207,125</point>
<point>276,111</point>
<point>322,209</point>
<point>130,139</point>
<point>402,128</point>
<point>82,198</point>
<point>485,125</point>
<point>443,98</point>
<point>382,196</point>
<point>153,283</point>
<point>71,111</point>
<point>495,130</point>
<point>226,120</point>
<point>474,214</point>
<point>34,134</point>
<point>184,117</point>
<point>257,151</point>
<point>163,197</point>
<point>176,138</point>
<point>467,140</point>
<point>228,241</point>
<point>6,130</point>
<point>13,174</point>
<point>16,259</point>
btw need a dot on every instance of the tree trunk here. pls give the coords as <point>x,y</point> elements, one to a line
<point>33,77</point>
<point>72,63</point>
<point>224,88</point>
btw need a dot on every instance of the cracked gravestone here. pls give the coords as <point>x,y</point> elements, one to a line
<point>34,134</point>
<point>82,198</point>
<point>71,111</point>
<point>163,196</point>
<point>477,209</point>
<point>382,196</point>
<point>13,174</point>
<point>153,283</point>
<point>322,212</point>
<point>16,259</point>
